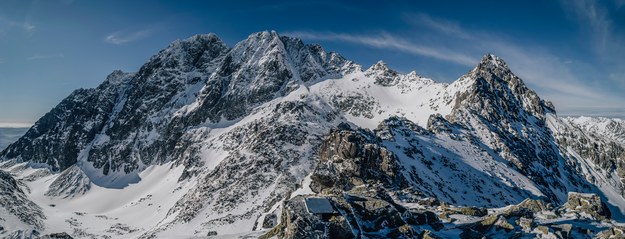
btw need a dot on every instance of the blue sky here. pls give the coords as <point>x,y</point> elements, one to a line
<point>571,52</point>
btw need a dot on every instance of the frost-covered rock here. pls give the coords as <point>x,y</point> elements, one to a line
<point>587,205</point>
<point>601,126</point>
<point>382,74</point>
<point>613,232</point>
<point>297,222</point>
<point>17,212</point>
<point>69,183</point>
<point>353,158</point>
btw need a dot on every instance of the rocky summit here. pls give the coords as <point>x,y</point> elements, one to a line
<point>273,137</point>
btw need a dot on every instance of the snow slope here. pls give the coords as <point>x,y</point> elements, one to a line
<point>604,127</point>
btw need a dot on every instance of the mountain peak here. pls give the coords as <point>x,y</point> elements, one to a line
<point>117,77</point>
<point>382,74</point>
<point>189,53</point>
<point>496,89</point>
<point>197,39</point>
<point>263,36</point>
<point>379,66</point>
<point>259,45</point>
<point>491,62</point>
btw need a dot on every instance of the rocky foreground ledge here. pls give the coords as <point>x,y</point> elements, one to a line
<point>372,212</point>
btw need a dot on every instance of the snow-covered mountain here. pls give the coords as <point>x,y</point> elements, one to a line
<point>613,129</point>
<point>207,139</point>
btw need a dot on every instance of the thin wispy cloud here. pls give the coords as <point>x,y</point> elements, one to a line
<point>7,24</point>
<point>550,75</point>
<point>619,78</point>
<point>390,42</point>
<point>554,78</point>
<point>68,2</point>
<point>604,37</point>
<point>447,27</point>
<point>15,125</point>
<point>27,26</point>
<point>591,14</point>
<point>43,57</point>
<point>122,37</point>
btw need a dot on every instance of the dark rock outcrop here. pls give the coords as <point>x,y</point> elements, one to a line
<point>350,158</point>
<point>587,204</point>
<point>298,223</point>
<point>15,202</point>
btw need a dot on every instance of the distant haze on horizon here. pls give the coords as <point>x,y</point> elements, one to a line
<point>8,125</point>
<point>570,52</point>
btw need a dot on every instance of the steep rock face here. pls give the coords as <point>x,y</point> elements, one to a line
<point>600,160</point>
<point>139,130</point>
<point>16,208</point>
<point>451,164</point>
<point>511,119</point>
<point>613,129</point>
<point>58,137</point>
<point>382,74</point>
<point>256,70</point>
<point>265,158</point>
<point>133,120</point>
<point>352,158</point>
<point>607,152</point>
<point>71,182</point>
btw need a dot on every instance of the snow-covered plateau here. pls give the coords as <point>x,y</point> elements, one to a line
<point>207,140</point>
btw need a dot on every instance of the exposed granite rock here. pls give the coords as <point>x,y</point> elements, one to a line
<point>270,220</point>
<point>15,202</point>
<point>613,232</point>
<point>350,158</point>
<point>139,119</point>
<point>587,204</point>
<point>468,211</point>
<point>382,74</point>
<point>500,102</point>
<point>60,235</point>
<point>71,182</point>
<point>427,234</point>
<point>298,223</point>
<point>422,217</point>
<point>514,220</point>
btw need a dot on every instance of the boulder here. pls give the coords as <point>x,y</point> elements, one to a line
<point>59,235</point>
<point>270,220</point>
<point>613,232</point>
<point>427,234</point>
<point>422,217</point>
<point>587,204</point>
